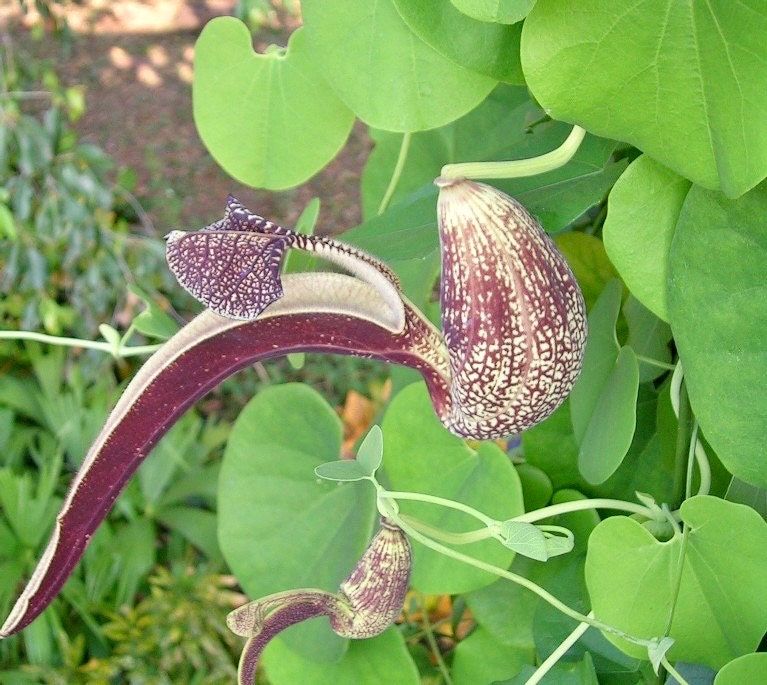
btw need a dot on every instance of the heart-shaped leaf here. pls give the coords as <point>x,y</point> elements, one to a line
<point>718,306</point>
<point>269,120</point>
<point>279,527</point>
<point>721,611</point>
<point>643,209</point>
<point>397,84</point>
<point>681,81</point>
<point>482,658</point>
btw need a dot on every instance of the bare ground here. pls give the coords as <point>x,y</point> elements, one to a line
<point>135,60</point>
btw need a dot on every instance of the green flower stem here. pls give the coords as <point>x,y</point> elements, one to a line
<point>519,167</point>
<point>656,362</point>
<point>558,653</point>
<point>395,176</point>
<point>77,342</point>
<point>444,536</point>
<point>673,672</point>
<point>519,580</point>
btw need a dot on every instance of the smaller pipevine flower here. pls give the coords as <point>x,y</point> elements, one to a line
<point>368,601</point>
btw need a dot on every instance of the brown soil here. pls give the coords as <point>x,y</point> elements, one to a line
<point>135,58</point>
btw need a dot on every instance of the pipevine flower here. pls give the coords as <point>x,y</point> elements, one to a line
<point>366,604</point>
<point>513,320</point>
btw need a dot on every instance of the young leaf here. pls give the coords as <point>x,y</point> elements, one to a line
<point>370,452</point>
<point>658,651</point>
<point>524,538</point>
<point>153,321</point>
<point>342,470</point>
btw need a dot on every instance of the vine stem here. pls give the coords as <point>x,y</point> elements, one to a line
<point>404,148</point>
<point>701,458</point>
<point>559,652</point>
<point>514,578</point>
<point>530,517</point>
<point>77,342</point>
<point>518,168</point>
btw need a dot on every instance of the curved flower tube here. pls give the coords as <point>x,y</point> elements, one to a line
<point>367,603</point>
<point>514,331</point>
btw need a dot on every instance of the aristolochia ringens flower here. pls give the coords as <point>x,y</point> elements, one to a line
<point>514,328</point>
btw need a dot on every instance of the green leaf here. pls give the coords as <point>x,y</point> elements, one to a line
<point>536,486</point>
<point>680,81</point>
<point>501,11</point>
<point>398,83</point>
<point>603,401</point>
<point>370,452</point>
<point>380,660</point>
<point>279,527</point>
<point>8,229</point>
<point>440,464</point>
<point>587,258</point>
<point>525,539</point>
<point>720,613</point>
<point>489,49</point>
<point>342,470</point>
<point>551,447</point>
<point>718,307</point>
<point>481,658</point>
<point>153,321</point>
<point>643,209</point>
<point>269,120</point>
<point>749,668</point>
<point>611,428</point>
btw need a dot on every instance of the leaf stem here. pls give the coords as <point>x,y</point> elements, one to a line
<point>440,501</point>
<point>77,342</point>
<point>404,148</point>
<point>519,167</point>
<point>558,653</point>
<point>655,362</point>
<point>673,672</point>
